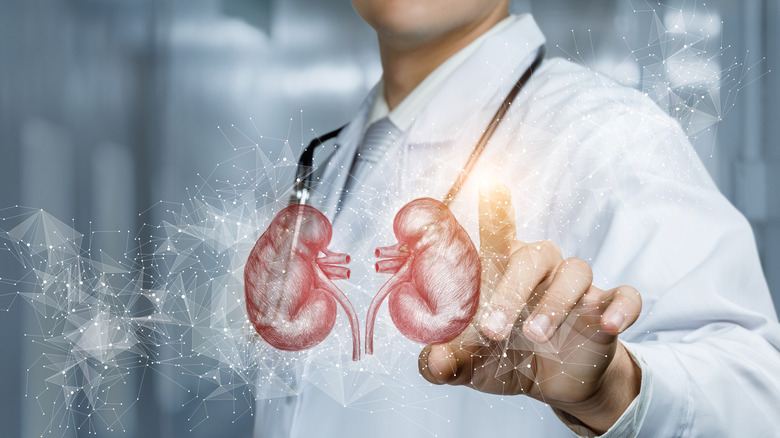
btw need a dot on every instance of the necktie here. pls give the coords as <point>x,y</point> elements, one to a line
<point>378,139</point>
<point>366,188</point>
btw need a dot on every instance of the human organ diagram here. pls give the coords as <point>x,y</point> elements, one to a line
<point>290,296</point>
<point>433,293</point>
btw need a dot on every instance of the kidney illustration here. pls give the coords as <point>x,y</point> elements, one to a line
<point>290,296</point>
<point>434,290</point>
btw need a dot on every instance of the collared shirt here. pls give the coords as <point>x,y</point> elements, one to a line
<point>404,113</point>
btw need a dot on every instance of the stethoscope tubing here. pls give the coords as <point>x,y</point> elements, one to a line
<point>305,166</point>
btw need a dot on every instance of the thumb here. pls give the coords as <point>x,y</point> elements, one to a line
<point>497,229</point>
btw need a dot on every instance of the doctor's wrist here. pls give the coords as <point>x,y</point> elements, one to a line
<point>620,386</point>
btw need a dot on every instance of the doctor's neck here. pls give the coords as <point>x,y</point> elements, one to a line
<point>408,59</point>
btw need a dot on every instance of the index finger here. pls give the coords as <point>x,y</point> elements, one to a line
<point>528,267</point>
<point>497,229</point>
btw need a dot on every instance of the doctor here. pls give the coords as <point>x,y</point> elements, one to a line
<point>610,191</point>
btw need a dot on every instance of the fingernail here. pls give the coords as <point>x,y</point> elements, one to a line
<point>539,326</point>
<point>496,323</point>
<point>616,319</point>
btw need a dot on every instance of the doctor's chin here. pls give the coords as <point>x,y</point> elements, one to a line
<point>300,218</point>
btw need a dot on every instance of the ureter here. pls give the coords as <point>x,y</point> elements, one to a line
<point>343,301</point>
<point>377,302</point>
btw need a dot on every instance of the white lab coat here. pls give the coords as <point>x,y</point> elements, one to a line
<point>606,175</point>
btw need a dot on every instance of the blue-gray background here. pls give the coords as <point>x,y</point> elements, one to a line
<point>109,106</point>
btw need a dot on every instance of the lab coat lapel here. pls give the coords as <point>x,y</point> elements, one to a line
<point>443,136</point>
<point>332,167</point>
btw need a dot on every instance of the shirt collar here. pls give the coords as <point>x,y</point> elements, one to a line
<point>404,114</point>
<point>470,95</point>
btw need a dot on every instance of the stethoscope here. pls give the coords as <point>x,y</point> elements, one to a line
<point>304,171</point>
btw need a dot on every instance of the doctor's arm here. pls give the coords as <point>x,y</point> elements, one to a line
<point>543,329</point>
<point>707,341</point>
<point>708,338</point>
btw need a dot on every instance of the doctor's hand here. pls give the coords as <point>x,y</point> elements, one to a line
<point>543,329</point>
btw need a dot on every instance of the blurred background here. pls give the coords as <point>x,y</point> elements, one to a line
<point>108,107</point>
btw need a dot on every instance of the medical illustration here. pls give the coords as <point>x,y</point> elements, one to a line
<point>434,290</point>
<point>534,211</point>
<point>290,297</point>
